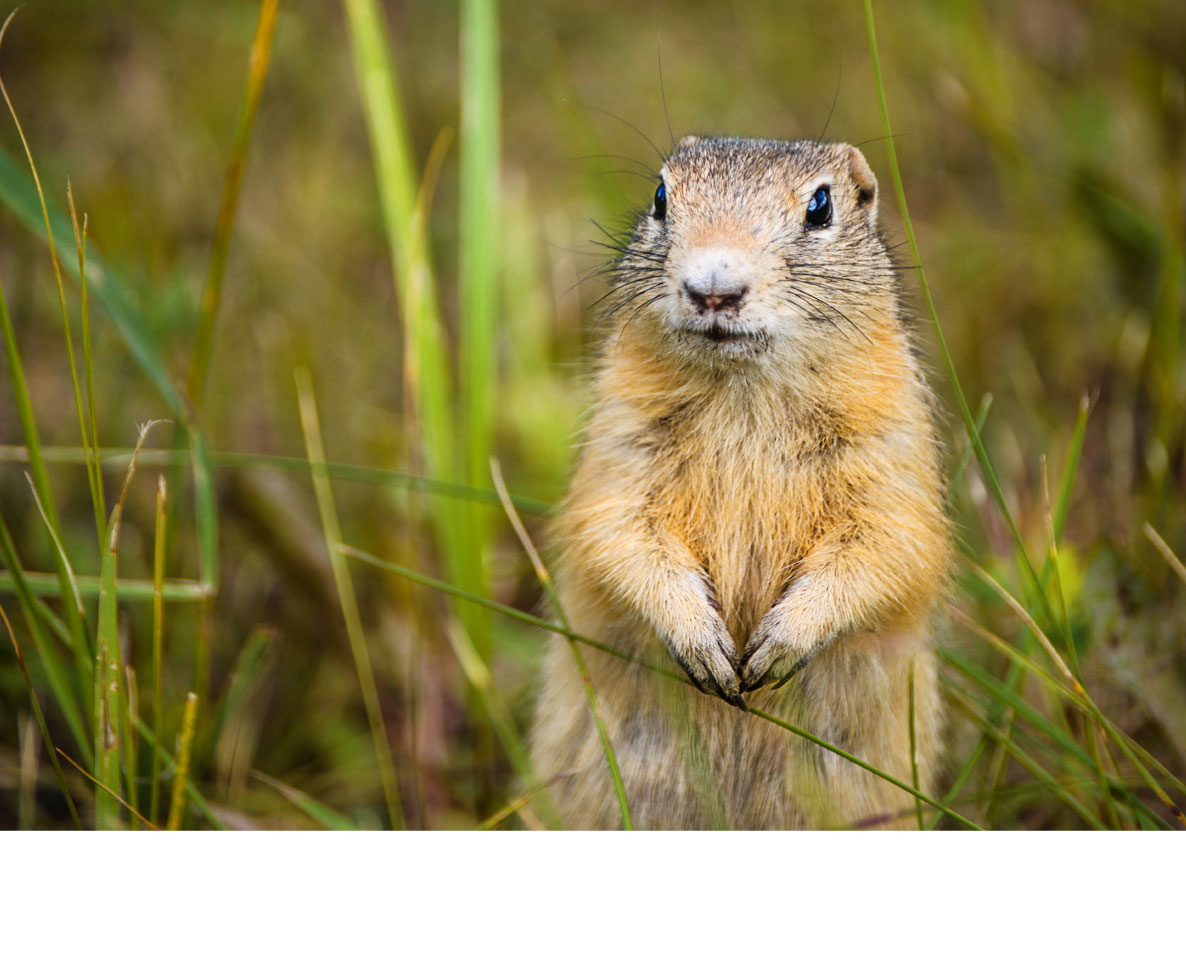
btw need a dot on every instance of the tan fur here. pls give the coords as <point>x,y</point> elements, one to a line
<point>751,507</point>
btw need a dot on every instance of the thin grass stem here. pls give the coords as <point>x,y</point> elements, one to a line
<point>345,587</point>
<point>181,775</point>
<point>158,627</point>
<point>257,73</point>
<point>545,580</point>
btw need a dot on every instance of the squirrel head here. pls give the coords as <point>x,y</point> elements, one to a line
<point>758,253</point>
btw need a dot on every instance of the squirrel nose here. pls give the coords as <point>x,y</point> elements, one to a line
<point>714,299</point>
<point>717,279</point>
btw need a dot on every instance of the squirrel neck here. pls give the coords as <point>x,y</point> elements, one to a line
<point>869,378</point>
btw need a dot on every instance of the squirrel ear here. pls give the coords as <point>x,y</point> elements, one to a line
<point>864,179</point>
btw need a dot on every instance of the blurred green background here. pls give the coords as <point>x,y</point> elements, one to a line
<point>1043,150</point>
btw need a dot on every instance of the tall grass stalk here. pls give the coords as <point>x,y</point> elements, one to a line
<point>478,266</point>
<point>158,629</point>
<point>345,587</point>
<point>110,713</point>
<point>545,580</point>
<point>481,680</point>
<point>91,453</point>
<point>181,769</point>
<point>92,470</point>
<point>257,73</point>
<point>981,452</point>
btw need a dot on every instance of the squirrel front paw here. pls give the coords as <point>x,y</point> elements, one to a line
<point>780,646</point>
<point>707,654</point>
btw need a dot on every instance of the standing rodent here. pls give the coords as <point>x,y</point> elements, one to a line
<point>759,497</point>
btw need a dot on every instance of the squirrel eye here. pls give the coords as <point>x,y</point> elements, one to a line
<point>819,209</point>
<point>661,202</point>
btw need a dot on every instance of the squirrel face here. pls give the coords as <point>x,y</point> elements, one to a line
<point>758,251</point>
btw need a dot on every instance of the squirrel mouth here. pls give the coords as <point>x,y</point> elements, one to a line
<point>719,334</point>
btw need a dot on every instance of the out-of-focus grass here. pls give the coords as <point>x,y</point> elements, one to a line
<point>432,293</point>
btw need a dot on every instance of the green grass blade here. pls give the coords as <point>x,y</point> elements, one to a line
<point>545,580</point>
<point>173,766</point>
<point>181,773</point>
<point>173,590</point>
<point>345,587</point>
<point>90,422</point>
<point>38,470</point>
<point>368,474</point>
<point>428,381</point>
<point>913,744</point>
<point>481,680</point>
<point>1070,467</point>
<point>257,72</point>
<point>113,294</point>
<point>1060,791</point>
<point>961,466</point>
<point>158,627</point>
<point>321,814</point>
<point>1013,701</point>
<point>60,684</point>
<point>53,255</point>
<point>110,700</point>
<point>129,714</point>
<point>478,260</point>
<point>982,457</point>
<point>249,665</point>
<point>107,689</point>
<point>49,745</point>
<point>909,789</point>
<point>74,600</point>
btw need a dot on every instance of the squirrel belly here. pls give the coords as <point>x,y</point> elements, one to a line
<point>757,506</point>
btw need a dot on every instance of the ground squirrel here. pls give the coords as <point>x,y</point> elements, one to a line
<point>759,497</point>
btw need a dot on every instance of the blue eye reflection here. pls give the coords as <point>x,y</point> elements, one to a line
<point>661,202</point>
<point>819,209</point>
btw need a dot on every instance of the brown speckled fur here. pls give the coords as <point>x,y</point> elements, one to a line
<point>751,507</point>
